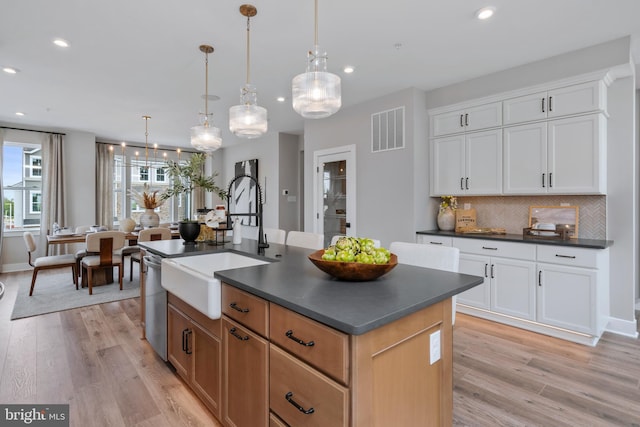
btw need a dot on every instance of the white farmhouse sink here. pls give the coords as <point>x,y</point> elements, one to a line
<point>191,278</point>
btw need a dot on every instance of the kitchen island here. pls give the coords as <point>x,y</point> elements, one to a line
<point>294,346</point>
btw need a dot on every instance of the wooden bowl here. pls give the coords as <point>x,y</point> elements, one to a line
<point>352,271</point>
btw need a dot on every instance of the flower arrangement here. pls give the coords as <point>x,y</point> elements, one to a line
<point>146,198</point>
<point>448,202</point>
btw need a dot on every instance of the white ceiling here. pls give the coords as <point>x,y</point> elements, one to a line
<point>133,58</point>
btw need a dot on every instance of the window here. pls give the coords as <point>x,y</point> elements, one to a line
<point>132,173</point>
<point>22,185</point>
<point>36,202</point>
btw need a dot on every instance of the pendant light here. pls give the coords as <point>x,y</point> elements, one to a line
<point>248,120</point>
<point>316,93</point>
<point>205,137</point>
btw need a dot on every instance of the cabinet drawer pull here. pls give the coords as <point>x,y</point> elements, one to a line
<point>233,332</point>
<point>298,407</point>
<point>543,105</point>
<point>187,335</point>
<point>566,256</point>
<point>290,335</point>
<point>488,248</point>
<point>436,243</point>
<point>235,307</point>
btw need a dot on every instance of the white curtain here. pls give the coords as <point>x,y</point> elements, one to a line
<point>53,186</point>
<point>104,185</point>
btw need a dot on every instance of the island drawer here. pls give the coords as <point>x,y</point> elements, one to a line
<point>319,345</point>
<point>250,310</point>
<point>300,395</point>
<point>496,248</point>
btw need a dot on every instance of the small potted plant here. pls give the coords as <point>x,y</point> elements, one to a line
<point>184,178</point>
<point>447,213</point>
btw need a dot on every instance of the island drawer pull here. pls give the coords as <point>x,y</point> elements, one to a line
<point>566,256</point>
<point>488,248</point>
<point>298,407</point>
<point>235,307</point>
<point>290,335</point>
<point>233,332</point>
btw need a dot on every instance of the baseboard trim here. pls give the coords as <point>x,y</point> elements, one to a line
<point>12,268</point>
<point>623,327</point>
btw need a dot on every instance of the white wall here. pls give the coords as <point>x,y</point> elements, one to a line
<point>386,181</point>
<point>288,205</point>
<point>265,149</point>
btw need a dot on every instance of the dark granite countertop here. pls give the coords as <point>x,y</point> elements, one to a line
<point>576,243</point>
<point>292,281</point>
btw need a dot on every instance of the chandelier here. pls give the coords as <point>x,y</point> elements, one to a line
<point>204,137</point>
<point>316,93</point>
<point>248,120</point>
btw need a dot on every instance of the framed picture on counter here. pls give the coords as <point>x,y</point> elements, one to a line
<point>564,216</point>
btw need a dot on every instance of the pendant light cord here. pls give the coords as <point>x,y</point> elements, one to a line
<point>315,37</point>
<point>146,140</point>
<point>206,89</point>
<point>248,48</point>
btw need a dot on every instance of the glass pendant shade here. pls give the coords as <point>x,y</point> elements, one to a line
<point>206,138</point>
<point>248,120</point>
<point>316,94</point>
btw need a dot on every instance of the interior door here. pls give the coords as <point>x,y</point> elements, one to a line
<point>335,192</point>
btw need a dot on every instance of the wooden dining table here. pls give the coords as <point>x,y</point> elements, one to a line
<point>63,239</point>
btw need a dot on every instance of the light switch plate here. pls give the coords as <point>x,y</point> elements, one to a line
<point>434,351</point>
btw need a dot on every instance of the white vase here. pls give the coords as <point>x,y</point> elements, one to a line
<point>149,219</point>
<point>447,220</point>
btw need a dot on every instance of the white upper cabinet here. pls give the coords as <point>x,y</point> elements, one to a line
<point>469,119</point>
<point>575,99</point>
<point>467,164</point>
<point>564,156</point>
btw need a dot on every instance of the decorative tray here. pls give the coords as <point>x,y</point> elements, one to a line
<point>558,234</point>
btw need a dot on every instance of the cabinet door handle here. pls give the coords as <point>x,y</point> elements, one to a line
<point>466,119</point>
<point>236,308</point>
<point>466,182</point>
<point>492,272</point>
<point>539,277</point>
<point>566,256</point>
<point>543,105</point>
<point>290,335</point>
<point>436,243</point>
<point>297,406</point>
<point>461,183</point>
<point>550,104</point>
<point>489,248</point>
<point>485,270</point>
<point>187,349</point>
<point>550,179</point>
<point>233,332</point>
<point>184,340</point>
<point>461,123</point>
<point>543,180</point>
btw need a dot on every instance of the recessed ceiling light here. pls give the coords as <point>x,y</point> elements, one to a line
<point>10,70</point>
<point>19,113</point>
<point>280,99</point>
<point>349,69</point>
<point>485,13</point>
<point>61,43</point>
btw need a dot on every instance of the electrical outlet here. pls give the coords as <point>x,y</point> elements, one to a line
<point>434,351</point>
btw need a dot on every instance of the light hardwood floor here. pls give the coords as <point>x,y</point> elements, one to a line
<point>93,359</point>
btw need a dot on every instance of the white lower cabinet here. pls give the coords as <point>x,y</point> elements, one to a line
<point>557,290</point>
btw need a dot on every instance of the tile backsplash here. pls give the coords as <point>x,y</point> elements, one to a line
<point>512,212</point>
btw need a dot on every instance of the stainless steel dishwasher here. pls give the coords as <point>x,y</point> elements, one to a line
<point>155,310</point>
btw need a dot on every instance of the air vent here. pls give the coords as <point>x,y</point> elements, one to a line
<point>387,130</point>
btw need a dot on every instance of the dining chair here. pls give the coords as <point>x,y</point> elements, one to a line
<point>249,232</point>
<point>275,235</point>
<point>105,244</point>
<point>147,235</point>
<point>47,262</point>
<point>429,256</point>
<point>305,239</point>
<point>82,252</point>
